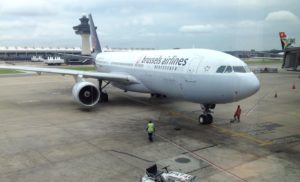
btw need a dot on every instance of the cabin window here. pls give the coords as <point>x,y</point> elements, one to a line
<point>221,69</point>
<point>239,69</point>
<point>228,69</point>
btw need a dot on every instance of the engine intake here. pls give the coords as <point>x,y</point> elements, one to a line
<point>86,93</point>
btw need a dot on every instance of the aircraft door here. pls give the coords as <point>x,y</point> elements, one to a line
<point>193,66</point>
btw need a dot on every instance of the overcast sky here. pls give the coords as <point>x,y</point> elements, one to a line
<point>215,24</point>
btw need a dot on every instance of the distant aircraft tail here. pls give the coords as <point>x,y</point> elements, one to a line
<point>96,48</point>
<point>285,42</point>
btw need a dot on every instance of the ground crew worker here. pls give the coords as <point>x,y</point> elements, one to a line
<point>150,129</point>
<point>237,113</point>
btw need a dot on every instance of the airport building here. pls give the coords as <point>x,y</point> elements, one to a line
<point>15,53</point>
<point>26,53</point>
<point>83,29</point>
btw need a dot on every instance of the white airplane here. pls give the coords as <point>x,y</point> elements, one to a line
<point>198,75</point>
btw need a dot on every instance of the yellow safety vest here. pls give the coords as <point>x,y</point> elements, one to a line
<point>150,127</point>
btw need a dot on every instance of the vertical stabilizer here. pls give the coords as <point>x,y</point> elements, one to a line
<point>96,48</point>
<point>285,41</point>
<point>282,39</point>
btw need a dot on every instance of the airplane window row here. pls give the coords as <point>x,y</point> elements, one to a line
<point>229,69</point>
<point>165,67</point>
<point>122,64</point>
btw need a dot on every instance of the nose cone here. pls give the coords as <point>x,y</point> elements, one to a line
<point>249,85</point>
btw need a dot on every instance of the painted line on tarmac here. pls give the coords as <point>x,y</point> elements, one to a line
<point>231,132</point>
<point>256,103</point>
<point>298,114</point>
<point>243,135</point>
<point>224,130</point>
<point>131,155</point>
<point>197,156</point>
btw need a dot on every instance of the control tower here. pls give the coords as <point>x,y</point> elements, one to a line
<point>83,29</point>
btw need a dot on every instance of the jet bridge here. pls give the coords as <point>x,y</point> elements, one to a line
<point>291,59</point>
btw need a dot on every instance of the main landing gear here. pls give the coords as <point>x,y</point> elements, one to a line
<point>103,95</point>
<point>206,117</point>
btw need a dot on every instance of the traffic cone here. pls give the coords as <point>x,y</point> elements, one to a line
<point>294,86</point>
<point>275,95</point>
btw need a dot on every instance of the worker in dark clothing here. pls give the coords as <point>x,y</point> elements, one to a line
<point>237,113</point>
<point>150,129</point>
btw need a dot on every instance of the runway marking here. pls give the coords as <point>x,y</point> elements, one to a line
<point>231,132</point>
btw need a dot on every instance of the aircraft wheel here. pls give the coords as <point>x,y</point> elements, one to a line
<point>104,97</point>
<point>202,119</point>
<point>209,119</point>
<point>205,119</point>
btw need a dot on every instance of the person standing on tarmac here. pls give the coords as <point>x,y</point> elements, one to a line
<point>237,113</point>
<point>150,129</point>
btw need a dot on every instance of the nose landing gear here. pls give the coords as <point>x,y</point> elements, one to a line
<point>206,118</point>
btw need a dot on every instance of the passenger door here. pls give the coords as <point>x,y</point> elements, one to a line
<point>193,66</point>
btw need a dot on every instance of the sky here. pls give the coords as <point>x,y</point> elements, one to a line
<point>160,24</point>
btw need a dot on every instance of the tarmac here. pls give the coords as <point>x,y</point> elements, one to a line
<point>46,136</point>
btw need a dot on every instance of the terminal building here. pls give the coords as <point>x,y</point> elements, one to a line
<point>15,53</point>
<point>26,53</point>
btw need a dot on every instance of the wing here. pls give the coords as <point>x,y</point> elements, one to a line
<point>119,77</point>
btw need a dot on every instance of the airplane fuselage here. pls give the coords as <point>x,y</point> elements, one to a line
<point>197,75</point>
<point>203,76</point>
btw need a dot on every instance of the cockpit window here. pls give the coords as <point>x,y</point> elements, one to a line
<point>228,69</point>
<point>247,69</point>
<point>221,69</point>
<point>239,69</point>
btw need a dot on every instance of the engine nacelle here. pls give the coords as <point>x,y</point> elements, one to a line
<point>86,93</point>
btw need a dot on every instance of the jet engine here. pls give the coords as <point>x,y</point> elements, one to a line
<point>86,93</point>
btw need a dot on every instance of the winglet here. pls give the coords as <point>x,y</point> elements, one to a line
<point>96,48</point>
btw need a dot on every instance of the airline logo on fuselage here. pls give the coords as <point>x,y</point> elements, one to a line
<point>173,61</point>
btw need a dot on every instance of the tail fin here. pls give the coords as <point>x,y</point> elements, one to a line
<point>94,37</point>
<point>282,36</point>
<point>285,42</point>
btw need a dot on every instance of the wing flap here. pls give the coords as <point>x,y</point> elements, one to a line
<point>85,74</point>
